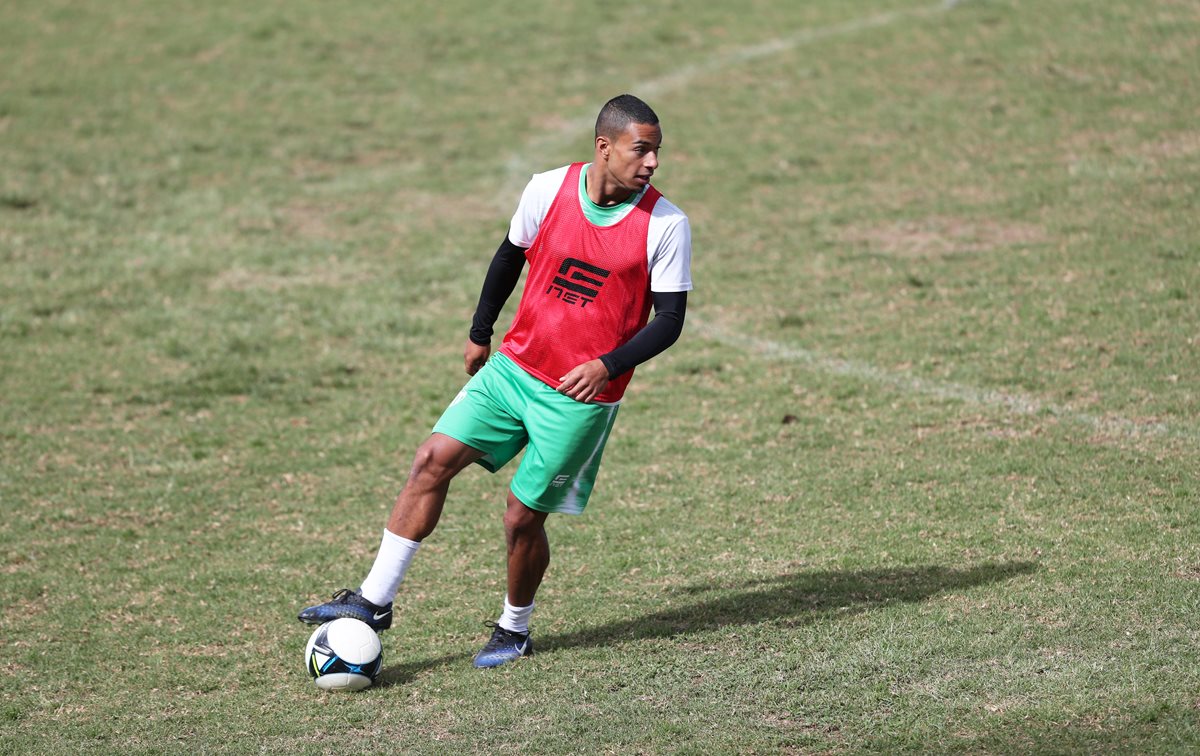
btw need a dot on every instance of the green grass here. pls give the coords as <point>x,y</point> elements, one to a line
<point>921,476</point>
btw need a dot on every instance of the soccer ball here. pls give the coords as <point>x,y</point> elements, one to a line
<point>344,654</point>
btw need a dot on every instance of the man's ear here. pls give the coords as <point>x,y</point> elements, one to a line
<point>603,146</point>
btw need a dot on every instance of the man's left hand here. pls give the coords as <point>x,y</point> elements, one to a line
<point>585,382</point>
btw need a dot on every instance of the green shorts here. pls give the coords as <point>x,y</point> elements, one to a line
<point>504,409</point>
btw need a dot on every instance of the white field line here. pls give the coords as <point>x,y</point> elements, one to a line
<point>520,166</point>
<point>1013,403</point>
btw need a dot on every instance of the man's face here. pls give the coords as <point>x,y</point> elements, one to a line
<point>633,157</point>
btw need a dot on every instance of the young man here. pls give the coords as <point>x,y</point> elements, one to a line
<point>603,246</point>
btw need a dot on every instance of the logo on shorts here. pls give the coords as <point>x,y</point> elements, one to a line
<point>560,480</point>
<point>578,282</point>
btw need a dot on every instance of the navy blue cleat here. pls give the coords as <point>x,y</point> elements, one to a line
<point>348,603</point>
<point>504,646</point>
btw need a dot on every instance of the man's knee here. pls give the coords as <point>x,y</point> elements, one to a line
<point>520,519</point>
<point>438,460</point>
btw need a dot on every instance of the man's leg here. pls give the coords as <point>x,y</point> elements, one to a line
<point>414,516</point>
<point>415,513</point>
<point>528,550</point>
<point>419,505</point>
<point>528,557</point>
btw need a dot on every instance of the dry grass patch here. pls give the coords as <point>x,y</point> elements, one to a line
<point>333,272</point>
<point>312,221</point>
<point>1173,145</point>
<point>938,236</point>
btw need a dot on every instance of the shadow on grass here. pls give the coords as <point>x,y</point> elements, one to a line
<point>796,599</point>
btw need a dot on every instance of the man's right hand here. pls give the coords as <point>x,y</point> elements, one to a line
<point>474,356</point>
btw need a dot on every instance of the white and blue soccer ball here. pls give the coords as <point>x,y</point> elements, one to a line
<point>344,654</point>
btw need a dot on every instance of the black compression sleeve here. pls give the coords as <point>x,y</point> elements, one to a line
<point>498,285</point>
<point>659,333</point>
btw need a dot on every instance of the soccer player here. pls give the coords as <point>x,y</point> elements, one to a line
<point>603,246</point>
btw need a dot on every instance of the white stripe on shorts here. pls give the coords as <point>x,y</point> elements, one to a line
<point>571,503</point>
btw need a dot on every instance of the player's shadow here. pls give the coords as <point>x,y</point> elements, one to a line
<point>795,599</point>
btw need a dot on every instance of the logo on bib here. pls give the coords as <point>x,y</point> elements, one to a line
<point>578,282</point>
<point>560,480</point>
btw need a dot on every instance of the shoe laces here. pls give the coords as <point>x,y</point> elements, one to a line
<point>343,596</point>
<point>502,636</point>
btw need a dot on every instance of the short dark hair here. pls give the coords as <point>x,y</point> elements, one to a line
<point>619,112</point>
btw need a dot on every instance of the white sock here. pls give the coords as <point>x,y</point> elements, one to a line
<point>515,619</point>
<point>395,553</point>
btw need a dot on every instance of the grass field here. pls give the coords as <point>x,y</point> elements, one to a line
<point>920,475</point>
